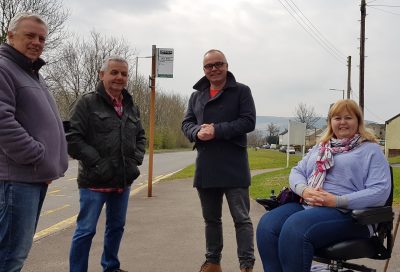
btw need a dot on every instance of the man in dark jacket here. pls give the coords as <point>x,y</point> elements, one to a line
<point>33,150</point>
<point>220,113</point>
<point>107,137</point>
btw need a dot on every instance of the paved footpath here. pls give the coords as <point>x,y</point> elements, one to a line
<point>164,233</point>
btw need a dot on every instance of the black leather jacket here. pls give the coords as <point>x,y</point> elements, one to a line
<point>109,148</point>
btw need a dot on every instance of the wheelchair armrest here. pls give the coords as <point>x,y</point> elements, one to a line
<point>373,215</point>
<point>268,203</point>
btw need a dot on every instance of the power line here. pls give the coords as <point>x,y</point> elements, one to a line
<point>340,54</point>
<point>313,33</point>
<point>375,7</point>
<point>390,6</point>
<point>394,13</point>
<point>370,112</point>
<point>381,0</point>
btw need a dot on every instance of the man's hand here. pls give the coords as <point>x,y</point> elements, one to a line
<point>206,132</point>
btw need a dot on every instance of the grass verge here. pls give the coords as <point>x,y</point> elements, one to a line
<point>186,172</point>
<point>260,159</point>
<point>261,185</point>
<point>394,159</point>
<point>396,179</point>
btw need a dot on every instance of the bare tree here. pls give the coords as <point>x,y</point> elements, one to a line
<point>170,111</point>
<point>272,129</point>
<point>140,91</point>
<point>75,70</point>
<point>306,114</point>
<point>51,10</point>
<point>255,138</point>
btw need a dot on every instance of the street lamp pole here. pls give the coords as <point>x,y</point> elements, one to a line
<point>137,64</point>
<point>338,90</point>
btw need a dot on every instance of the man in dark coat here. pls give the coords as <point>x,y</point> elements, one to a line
<point>107,138</point>
<point>220,113</point>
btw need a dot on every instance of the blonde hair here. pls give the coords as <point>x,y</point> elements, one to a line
<point>352,107</point>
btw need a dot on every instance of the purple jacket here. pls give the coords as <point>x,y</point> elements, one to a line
<point>32,141</point>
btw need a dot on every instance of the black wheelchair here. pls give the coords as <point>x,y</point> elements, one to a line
<point>378,246</point>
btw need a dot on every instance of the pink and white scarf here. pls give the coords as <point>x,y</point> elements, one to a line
<point>325,157</point>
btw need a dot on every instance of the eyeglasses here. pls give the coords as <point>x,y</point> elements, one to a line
<point>210,66</point>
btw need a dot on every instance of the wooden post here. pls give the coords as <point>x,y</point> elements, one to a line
<point>151,122</point>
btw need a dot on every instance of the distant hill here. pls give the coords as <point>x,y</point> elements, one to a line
<point>263,121</point>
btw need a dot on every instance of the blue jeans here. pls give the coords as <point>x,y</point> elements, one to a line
<point>20,206</point>
<point>288,235</point>
<point>91,204</point>
<point>239,206</point>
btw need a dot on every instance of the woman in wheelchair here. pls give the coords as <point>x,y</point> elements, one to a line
<point>346,170</point>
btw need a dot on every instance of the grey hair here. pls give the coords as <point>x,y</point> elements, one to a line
<point>215,51</point>
<point>107,60</point>
<point>19,17</point>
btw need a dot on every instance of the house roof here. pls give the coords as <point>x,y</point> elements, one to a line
<point>284,132</point>
<point>313,131</point>
<point>391,119</point>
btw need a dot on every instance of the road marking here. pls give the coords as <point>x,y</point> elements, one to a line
<point>54,191</point>
<point>72,179</point>
<point>157,179</point>
<point>53,229</point>
<point>72,220</point>
<point>54,210</point>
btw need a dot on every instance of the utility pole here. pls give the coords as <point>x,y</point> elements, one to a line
<point>362,54</point>
<point>348,76</point>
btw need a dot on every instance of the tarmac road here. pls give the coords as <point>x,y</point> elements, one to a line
<point>61,205</point>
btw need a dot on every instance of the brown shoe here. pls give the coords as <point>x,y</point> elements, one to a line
<point>246,270</point>
<point>210,267</point>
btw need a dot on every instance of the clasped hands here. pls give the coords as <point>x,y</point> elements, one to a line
<point>206,132</point>
<point>319,197</point>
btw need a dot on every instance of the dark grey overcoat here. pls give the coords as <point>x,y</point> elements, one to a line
<point>223,161</point>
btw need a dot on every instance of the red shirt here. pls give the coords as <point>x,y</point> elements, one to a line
<point>213,92</point>
<point>117,103</point>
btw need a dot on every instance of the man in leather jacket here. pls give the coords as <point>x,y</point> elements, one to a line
<point>107,137</point>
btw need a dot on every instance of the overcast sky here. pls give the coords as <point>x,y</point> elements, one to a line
<point>265,47</point>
